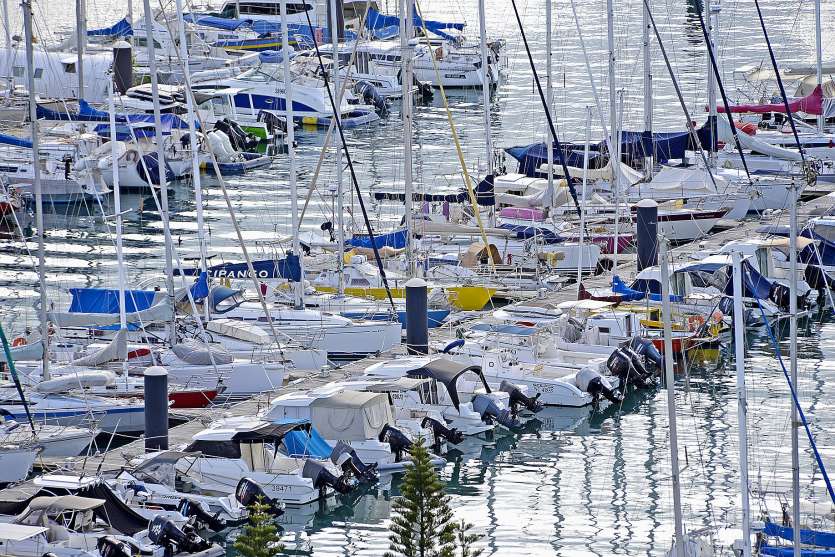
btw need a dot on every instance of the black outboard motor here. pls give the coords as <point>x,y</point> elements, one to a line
<point>198,515</point>
<point>592,382</point>
<point>622,365</point>
<point>165,533</point>
<point>396,439</point>
<point>370,95</point>
<point>645,347</point>
<point>240,140</point>
<point>323,478</point>
<point>110,546</point>
<point>518,398</point>
<point>248,492</point>
<point>441,432</point>
<point>344,456</point>
<point>489,412</point>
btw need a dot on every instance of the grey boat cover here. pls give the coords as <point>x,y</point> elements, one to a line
<point>196,353</point>
<point>351,415</point>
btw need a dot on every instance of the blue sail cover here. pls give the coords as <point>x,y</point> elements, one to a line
<point>634,146</point>
<point>209,20</point>
<point>304,444</point>
<point>288,268</point>
<point>808,537</point>
<point>260,26</point>
<point>527,232</point>
<point>396,240</point>
<point>141,125</point>
<point>15,141</point>
<point>86,113</point>
<point>106,300</point>
<point>121,28</point>
<point>374,20</point>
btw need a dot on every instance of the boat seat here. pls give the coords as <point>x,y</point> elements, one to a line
<point>56,533</point>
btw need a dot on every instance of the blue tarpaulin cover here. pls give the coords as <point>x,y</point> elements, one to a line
<point>302,443</point>
<point>106,300</point>
<point>121,28</point>
<point>810,537</point>
<point>141,125</point>
<point>396,240</point>
<point>86,113</point>
<point>16,141</point>
<point>376,21</point>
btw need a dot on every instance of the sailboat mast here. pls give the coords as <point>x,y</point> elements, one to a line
<point>298,297</point>
<point>81,40</point>
<point>340,194</point>
<point>818,56</point>
<point>195,150</point>
<point>741,400</point>
<point>583,202</point>
<point>645,44</point>
<point>670,380</point>
<point>793,365</point>
<point>161,168</point>
<point>711,79</point>
<point>406,58</point>
<point>549,97</point>
<point>614,155</point>
<point>36,181</point>
<point>117,208</point>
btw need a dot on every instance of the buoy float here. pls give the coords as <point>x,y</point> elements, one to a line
<point>19,341</point>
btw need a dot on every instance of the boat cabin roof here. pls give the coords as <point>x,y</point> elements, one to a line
<point>502,329</point>
<point>19,532</point>
<point>64,503</point>
<point>246,429</point>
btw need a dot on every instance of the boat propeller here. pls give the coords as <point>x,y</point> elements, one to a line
<point>440,432</point>
<point>490,412</point>
<point>344,456</point>
<point>518,398</point>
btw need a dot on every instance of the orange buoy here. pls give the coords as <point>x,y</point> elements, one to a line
<point>19,341</point>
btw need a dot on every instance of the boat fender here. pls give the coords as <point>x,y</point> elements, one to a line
<point>323,478</point>
<point>490,412</point>
<point>457,343</point>
<point>344,456</point>
<point>519,399</point>
<point>110,546</point>
<point>165,533</point>
<point>441,432</point>
<point>397,440</point>
<point>194,511</point>
<point>19,341</point>
<point>248,491</point>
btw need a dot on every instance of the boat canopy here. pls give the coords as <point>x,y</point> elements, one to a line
<point>816,538</point>
<point>478,252</point>
<point>504,329</point>
<point>142,125</point>
<point>15,141</point>
<point>64,503</point>
<point>301,443</point>
<point>447,372</point>
<point>351,415</point>
<point>396,240</point>
<point>106,300</point>
<point>86,113</point>
<point>226,443</point>
<point>385,26</point>
<point>484,194</point>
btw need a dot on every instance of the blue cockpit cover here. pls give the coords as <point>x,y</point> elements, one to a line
<point>396,240</point>
<point>121,28</point>
<point>86,113</point>
<point>523,232</point>
<point>302,443</point>
<point>105,300</point>
<point>809,537</point>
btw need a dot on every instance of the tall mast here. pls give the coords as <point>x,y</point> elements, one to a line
<point>406,59</point>
<point>7,42</point>
<point>117,207</point>
<point>195,150</point>
<point>711,78</point>
<point>549,96</point>
<point>583,201</point>
<point>670,380</point>
<point>614,155</point>
<point>298,297</point>
<point>340,195</point>
<point>793,365</point>
<point>485,81</point>
<point>161,168</point>
<point>36,180</point>
<point>81,39</point>
<point>742,403</point>
<point>818,56</point>
<point>645,42</point>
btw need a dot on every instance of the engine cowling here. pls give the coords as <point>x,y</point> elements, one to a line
<point>397,440</point>
<point>519,399</point>
<point>109,546</point>
<point>194,511</point>
<point>248,491</point>
<point>490,412</point>
<point>324,478</point>
<point>165,533</point>
<point>344,456</point>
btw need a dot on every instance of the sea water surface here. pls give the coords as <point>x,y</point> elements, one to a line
<point>586,482</point>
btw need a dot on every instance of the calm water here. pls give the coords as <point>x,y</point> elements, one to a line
<point>585,483</point>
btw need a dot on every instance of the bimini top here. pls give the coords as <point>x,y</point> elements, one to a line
<point>64,503</point>
<point>447,372</point>
<point>224,439</point>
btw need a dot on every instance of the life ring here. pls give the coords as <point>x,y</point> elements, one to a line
<point>694,322</point>
<point>19,341</point>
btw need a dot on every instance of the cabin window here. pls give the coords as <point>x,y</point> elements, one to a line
<point>825,231</point>
<point>142,41</point>
<point>360,282</point>
<point>258,8</point>
<point>38,73</point>
<point>18,71</point>
<point>69,67</point>
<point>680,284</point>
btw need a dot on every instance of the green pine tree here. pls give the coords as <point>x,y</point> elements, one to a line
<point>465,540</point>
<point>260,537</point>
<point>421,525</point>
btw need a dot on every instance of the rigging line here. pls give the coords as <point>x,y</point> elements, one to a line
<point>467,178</point>
<point>780,82</point>
<point>338,119</point>
<point>13,372</point>
<point>800,412</point>
<point>329,134</point>
<point>690,126</point>
<point>547,109</point>
<point>721,86</point>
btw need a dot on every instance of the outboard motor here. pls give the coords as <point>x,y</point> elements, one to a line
<point>397,440</point>
<point>239,139</point>
<point>248,492</point>
<point>274,122</point>
<point>194,511</point>
<point>590,381</point>
<point>622,365</point>
<point>370,95</point>
<point>424,89</point>
<point>344,456</point>
<point>110,546</point>
<point>645,347</point>
<point>165,533</point>
<point>518,398</point>
<point>490,412</point>
<point>440,432</point>
<point>323,478</point>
